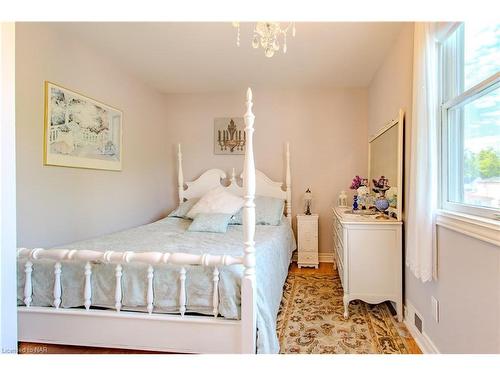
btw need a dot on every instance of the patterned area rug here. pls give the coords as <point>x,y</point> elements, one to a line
<point>311,320</point>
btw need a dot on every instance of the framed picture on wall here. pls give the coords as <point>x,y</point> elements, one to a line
<point>229,136</point>
<point>81,132</point>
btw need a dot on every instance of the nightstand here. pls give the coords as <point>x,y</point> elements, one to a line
<point>307,233</point>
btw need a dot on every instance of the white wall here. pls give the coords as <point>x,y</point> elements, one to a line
<point>8,311</point>
<point>57,205</point>
<point>326,130</point>
<point>468,291</point>
<point>468,285</point>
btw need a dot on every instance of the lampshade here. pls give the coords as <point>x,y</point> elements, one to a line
<point>308,195</point>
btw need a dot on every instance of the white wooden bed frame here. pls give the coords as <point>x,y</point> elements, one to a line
<point>159,331</point>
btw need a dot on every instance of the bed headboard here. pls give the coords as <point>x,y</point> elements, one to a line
<point>214,177</point>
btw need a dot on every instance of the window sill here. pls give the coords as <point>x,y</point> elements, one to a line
<point>483,229</point>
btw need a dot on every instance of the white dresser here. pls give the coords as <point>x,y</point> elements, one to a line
<point>307,233</point>
<point>368,254</point>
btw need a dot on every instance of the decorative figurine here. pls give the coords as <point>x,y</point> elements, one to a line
<point>392,197</point>
<point>342,201</point>
<point>308,201</point>
<point>356,183</point>
<point>381,202</point>
<point>363,192</point>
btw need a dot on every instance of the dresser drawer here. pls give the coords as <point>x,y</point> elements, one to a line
<point>308,257</point>
<point>307,228</point>
<point>340,255</point>
<point>340,230</point>
<point>339,247</point>
<point>340,269</point>
<point>308,243</point>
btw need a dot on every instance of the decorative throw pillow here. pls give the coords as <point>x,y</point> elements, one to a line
<point>215,222</point>
<point>268,211</point>
<point>184,208</point>
<point>217,200</point>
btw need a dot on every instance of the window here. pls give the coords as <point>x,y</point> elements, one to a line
<point>470,120</point>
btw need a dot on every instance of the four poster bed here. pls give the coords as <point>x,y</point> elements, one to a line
<point>154,287</point>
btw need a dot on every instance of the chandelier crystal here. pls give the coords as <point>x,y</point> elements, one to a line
<point>267,35</point>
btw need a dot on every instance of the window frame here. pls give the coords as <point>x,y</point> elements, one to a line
<point>448,100</point>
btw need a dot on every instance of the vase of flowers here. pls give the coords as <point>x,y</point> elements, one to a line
<point>356,183</point>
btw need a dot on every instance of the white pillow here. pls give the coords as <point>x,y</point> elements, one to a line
<point>217,200</point>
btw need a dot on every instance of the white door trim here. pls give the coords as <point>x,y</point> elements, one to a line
<point>8,280</point>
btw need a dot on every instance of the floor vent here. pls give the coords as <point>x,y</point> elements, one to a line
<point>418,322</point>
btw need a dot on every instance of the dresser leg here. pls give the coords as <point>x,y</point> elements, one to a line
<point>346,307</point>
<point>399,311</point>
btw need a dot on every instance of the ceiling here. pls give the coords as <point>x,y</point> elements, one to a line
<point>186,57</point>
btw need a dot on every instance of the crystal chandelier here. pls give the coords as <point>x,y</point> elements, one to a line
<point>267,35</point>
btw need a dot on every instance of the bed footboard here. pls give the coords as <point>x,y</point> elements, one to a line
<point>151,259</point>
<point>129,329</point>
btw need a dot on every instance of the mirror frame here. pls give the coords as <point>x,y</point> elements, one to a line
<point>399,122</point>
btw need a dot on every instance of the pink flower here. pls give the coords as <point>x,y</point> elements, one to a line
<point>356,182</point>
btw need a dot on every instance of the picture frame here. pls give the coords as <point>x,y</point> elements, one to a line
<point>229,136</point>
<point>80,132</point>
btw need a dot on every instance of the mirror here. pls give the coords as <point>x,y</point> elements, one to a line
<point>385,158</point>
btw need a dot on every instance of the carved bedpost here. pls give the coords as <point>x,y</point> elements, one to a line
<point>28,287</point>
<point>88,286</point>
<point>180,176</point>
<point>215,296</point>
<point>288,182</point>
<point>248,284</point>
<point>149,295</point>
<point>182,291</point>
<point>57,285</point>
<point>118,287</point>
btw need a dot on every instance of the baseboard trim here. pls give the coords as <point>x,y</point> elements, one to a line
<point>322,257</point>
<point>423,341</point>
<point>325,258</point>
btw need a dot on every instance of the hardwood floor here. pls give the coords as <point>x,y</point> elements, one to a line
<point>324,268</point>
<point>35,348</point>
